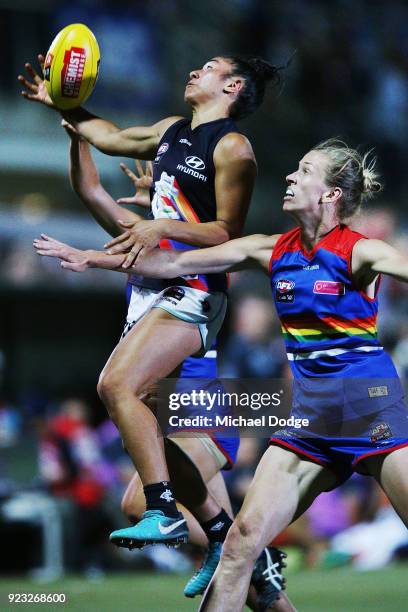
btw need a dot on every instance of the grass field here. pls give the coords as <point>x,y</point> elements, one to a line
<point>337,590</point>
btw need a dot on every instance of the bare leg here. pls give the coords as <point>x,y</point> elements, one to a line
<point>281,481</point>
<point>142,358</point>
<point>391,473</point>
<point>214,497</point>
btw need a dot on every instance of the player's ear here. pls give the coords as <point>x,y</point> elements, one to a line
<point>233,85</point>
<point>333,195</point>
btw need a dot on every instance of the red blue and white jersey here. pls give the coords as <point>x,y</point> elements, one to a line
<point>328,323</point>
<point>184,189</point>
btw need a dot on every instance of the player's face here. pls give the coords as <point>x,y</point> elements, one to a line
<point>208,82</point>
<point>307,185</point>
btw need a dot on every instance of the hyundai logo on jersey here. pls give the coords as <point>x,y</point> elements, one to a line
<point>195,162</point>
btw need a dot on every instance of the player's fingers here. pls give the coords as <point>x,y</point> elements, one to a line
<point>41,60</point>
<point>132,256</point>
<point>117,240</point>
<point>126,223</point>
<point>27,84</point>
<point>122,247</point>
<point>33,73</point>
<point>74,267</point>
<point>129,172</point>
<point>149,169</point>
<point>139,167</point>
<point>130,200</point>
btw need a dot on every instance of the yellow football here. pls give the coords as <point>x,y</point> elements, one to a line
<point>71,66</point>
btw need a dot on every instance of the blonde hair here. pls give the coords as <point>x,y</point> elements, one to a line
<point>353,172</point>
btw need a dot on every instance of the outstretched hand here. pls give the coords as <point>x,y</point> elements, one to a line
<point>35,89</point>
<point>142,182</point>
<point>71,259</point>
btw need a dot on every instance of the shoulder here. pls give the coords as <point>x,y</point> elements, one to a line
<point>369,250</point>
<point>164,124</point>
<point>233,146</point>
<point>289,241</point>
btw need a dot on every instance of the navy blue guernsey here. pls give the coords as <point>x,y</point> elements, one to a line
<point>184,190</point>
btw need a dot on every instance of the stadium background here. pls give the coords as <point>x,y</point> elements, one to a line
<point>348,77</point>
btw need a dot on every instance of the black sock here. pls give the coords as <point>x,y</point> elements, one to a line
<point>216,529</point>
<point>159,496</point>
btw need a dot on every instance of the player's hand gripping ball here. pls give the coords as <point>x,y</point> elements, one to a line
<point>71,66</point>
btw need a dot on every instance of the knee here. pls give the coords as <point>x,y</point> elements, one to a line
<point>243,542</point>
<point>112,386</point>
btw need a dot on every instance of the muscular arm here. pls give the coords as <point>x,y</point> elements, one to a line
<point>86,184</point>
<point>137,142</point>
<point>373,257</point>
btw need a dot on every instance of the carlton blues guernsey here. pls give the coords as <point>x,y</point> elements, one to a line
<point>184,190</point>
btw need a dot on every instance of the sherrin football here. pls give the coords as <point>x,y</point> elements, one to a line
<point>71,66</point>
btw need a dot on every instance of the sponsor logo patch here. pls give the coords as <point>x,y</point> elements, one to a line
<point>382,431</point>
<point>72,72</point>
<point>185,141</point>
<point>380,391</point>
<point>329,287</point>
<point>285,290</point>
<point>195,162</point>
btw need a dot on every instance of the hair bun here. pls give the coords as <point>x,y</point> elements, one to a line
<point>264,70</point>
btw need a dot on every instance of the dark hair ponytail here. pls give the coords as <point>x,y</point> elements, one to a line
<point>256,72</point>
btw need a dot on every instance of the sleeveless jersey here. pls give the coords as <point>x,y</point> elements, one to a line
<point>328,324</point>
<point>184,190</point>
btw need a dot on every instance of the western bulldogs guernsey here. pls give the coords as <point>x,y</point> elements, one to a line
<point>345,384</point>
<point>183,175</point>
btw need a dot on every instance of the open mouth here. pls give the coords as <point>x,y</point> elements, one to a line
<point>289,194</point>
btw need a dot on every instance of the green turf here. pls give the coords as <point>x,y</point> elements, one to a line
<point>337,590</point>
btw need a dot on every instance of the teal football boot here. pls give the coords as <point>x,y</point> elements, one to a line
<point>153,528</point>
<point>201,579</point>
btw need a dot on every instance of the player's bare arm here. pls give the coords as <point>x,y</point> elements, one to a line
<point>372,257</point>
<point>86,183</point>
<point>236,168</point>
<point>136,142</point>
<point>243,253</point>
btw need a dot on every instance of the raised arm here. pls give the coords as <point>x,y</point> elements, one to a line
<point>243,253</point>
<point>137,142</point>
<point>373,257</point>
<point>85,182</point>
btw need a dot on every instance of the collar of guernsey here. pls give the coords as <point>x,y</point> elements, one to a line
<point>327,323</point>
<point>184,190</point>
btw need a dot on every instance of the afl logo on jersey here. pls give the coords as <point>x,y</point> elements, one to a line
<point>283,286</point>
<point>285,290</point>
<point>195,162</point>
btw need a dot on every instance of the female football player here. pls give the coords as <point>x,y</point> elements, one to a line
<point>194,470</point>
<point>324,278</point>
<point>204,171</point>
